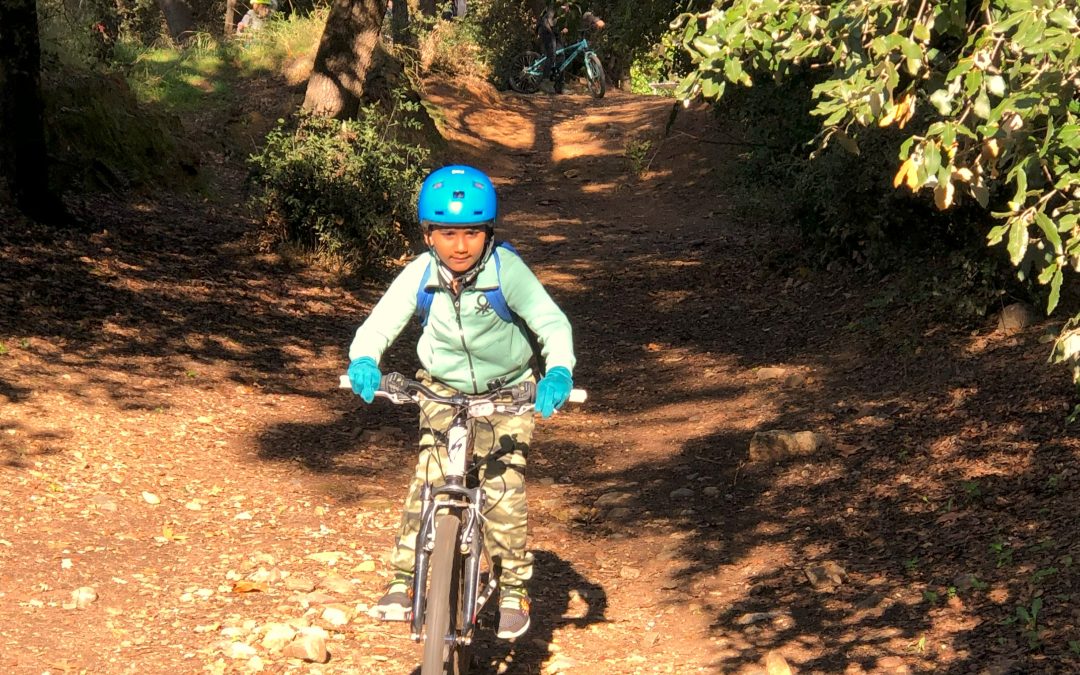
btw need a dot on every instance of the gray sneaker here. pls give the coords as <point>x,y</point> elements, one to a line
<point>396,603</point>
<point>513,614</point>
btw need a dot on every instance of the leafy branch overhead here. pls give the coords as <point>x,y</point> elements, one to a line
<point>988,91</point>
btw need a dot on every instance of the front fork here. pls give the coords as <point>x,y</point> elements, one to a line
<point>469,502</point>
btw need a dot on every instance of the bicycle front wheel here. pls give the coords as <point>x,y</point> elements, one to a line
<point>442,654</point>
<point>523,77</point>
<point>594,73</point>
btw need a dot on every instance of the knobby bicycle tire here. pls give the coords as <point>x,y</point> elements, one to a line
<point>594,73</point>
<point>520,79</point>
<point>443,614</point>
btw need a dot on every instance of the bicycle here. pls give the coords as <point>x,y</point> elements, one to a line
<point>451,559</point>
<point>527,70</point>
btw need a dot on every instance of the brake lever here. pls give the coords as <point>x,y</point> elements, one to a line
<point>524,392</point>
<point>394,384</point>
<point>394,397</point>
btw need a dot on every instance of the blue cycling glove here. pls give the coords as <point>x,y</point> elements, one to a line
<point>364,376</point>
<point>553,390</point>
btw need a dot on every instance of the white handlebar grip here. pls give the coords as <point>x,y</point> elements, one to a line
<point>343,382</point>
<point>578,396</point>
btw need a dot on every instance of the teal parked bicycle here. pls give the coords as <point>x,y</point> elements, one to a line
<point>527,70</point>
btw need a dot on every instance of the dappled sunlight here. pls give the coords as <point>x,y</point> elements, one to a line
<point>605,132</point>
<point>598,188</point>
<point>508,129</point>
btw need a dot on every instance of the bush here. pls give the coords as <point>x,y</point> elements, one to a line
<point>451,48</point>
<point>844,206</point>
<point>995,89</point>
<point>343,187</point>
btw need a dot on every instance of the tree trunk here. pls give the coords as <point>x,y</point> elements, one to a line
<point>230,17</point>
<point>23,159</point>
<point>399,22</point>
<point>336,86</point>
<point>428,7</point>
<point>179,19</point>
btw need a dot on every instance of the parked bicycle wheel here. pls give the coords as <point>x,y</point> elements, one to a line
<point>594,73</point>
<point>522,78</point>
<point>442,655</point>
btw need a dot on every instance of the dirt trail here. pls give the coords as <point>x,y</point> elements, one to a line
<point>171,438</point>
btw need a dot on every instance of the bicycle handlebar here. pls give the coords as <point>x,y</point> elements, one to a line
<point>515,399</point>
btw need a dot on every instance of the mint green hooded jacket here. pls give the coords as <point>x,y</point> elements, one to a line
<point>465,344</point>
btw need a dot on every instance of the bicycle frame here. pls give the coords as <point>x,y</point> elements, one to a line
<point>563,58</point>
<point>468,504</point>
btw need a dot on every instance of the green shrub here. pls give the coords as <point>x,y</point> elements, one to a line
<point>451,48</point>
<point>100,136</point>
<point>343,187</point>
<point>509,29</point>
<point>987,97</point>
<point>663,62</point>
<point>845,209</point>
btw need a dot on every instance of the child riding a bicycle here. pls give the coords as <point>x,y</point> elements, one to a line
<point>465,346</point>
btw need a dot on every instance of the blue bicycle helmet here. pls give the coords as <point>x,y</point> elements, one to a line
<point>456,195</point>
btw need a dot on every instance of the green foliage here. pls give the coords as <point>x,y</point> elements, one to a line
<point>845,209</point>
<point>202,74</point>
<point>103,138</point>
<point>181,80</point>
<point>509,29</point>
<point>639,153</point>
<point>657,64</point>
<point>346,188</point>
<point>1003,552</point>
<point>633,28</point>
<point>995,88</point>
<point>1027,618</point>
<point>452,48</point>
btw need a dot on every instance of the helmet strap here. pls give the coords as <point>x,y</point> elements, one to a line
<point>459,280</point>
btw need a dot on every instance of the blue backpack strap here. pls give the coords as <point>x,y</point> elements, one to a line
<point>424,298</point>
<point>495,296</point>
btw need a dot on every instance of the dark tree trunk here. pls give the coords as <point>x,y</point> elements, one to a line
<point>345,56</point>
<point>399,22</point>
<point>230,17</point>
<point>428,7</point>
<point>179,18</point>
<point>23,160</point>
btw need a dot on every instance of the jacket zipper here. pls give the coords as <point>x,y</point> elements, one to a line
<point>465,347</point>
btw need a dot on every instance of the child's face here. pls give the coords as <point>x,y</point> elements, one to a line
<point>459,248</point>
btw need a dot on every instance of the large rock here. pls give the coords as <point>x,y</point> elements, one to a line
<point>776,664</point>
<point>309,646</point>
<point>777,444</point>
<point>277,636</point>
<point>1016,317</point>
<point>826,576</point>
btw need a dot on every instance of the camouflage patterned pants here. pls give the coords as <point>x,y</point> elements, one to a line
<point>500,449</point>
